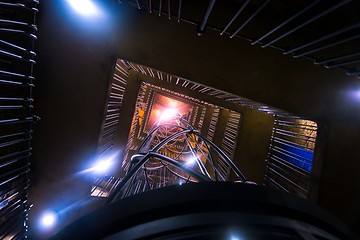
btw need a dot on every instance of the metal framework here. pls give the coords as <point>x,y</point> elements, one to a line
<point>291,31</point>
<point>17,29</point>
<point>290,157</point>
<point>292,154</point>
<point>173,153</point>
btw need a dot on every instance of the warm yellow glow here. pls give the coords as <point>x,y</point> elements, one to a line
<point>168,114</point>
<point>172,103</point>
<point>99,192</point>
<point>141,114</point>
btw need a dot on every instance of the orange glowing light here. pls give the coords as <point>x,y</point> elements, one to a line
<point>172,103</point>
<point>165,108</point>
<point>168,114</point>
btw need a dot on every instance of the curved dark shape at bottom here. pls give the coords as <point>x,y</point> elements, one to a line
<point>208,210</point>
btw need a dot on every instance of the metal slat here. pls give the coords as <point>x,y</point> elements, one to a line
<point>314,18</point>
<point>323,38</point>
<point>311,5</point>
<point>250,18</point>
<point>337,58</point>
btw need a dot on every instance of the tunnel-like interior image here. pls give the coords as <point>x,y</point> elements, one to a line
<point>179,119</point>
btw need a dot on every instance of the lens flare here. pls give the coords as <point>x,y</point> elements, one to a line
<point>102,166</point>
<point>191,161</point>
<point>168,114</point>
<point>84,7</point>
<point>48,219</point>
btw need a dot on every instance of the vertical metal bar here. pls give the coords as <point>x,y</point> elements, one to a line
<point>323,38</point>
<point>138,4</point>
<point>327,11</point>
<point>169,8</point>
<point>150,6</point>
<point>203,23</point>
<point>179,11</point>
<point>160,7</point>
<point>235,16</point>
<point>286,21</point>
<point>250,18</point>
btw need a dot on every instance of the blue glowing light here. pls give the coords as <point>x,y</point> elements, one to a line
<point>357,94</point>
<point>84,7</point>
<point>233,237</point>
<point>191,161</point>
<point>48,219</point>
<point>354,94</point>
<point>102,166</point>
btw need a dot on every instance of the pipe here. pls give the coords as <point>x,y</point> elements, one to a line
<point>286,21</point>
<point>201,28</point>
<point>337,58</point>
<point>235,16</point>
<point>179,11</point>
<point>11,161</point>
<point>169,9</point>
<point>10,30</point>
<point>141,162</point>
<point>160,7</point>
<point>17,120</point>
<point>12,4</point>
<point>7,44</point>
<point>16,75</point>
<point>250,18</point>
<point>332,65</point>
<point>226,158</point>
<point>25,169</point>
<point>15,107</point>
<point>352,72</point>
<point>17,99</point>
<point>324,38</point>
<point>15,154</point>
<point>327,46</point>
<point>327,11</point>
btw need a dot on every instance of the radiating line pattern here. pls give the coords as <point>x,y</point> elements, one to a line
<point>290,156</point>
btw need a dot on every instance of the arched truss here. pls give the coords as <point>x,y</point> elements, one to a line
<point>174,153</point>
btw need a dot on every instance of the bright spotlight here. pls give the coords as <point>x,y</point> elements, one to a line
<point>172,103</point>
<point>234,238</point>
<point>357,94</point>
<point>191,161</point>
<point>102,166</point>
<point>48,219</point>
<point>84,7</point>
<point>354,94</point>
<point>168,114</point>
